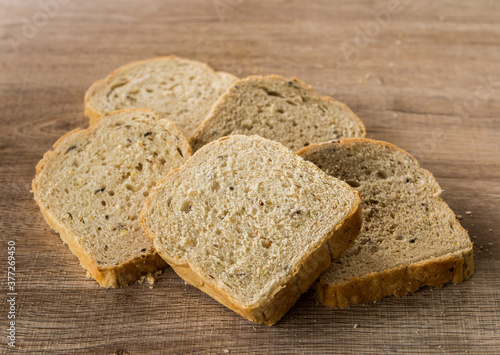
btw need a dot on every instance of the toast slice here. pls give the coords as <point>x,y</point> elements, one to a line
<point>92,186</point>
<point>251,224</point>
<point>410,237</point>
<point>286,111</point>
<point>177,89</point>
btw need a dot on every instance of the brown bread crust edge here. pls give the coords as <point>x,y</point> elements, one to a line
<point>400,281</point>
<point>119,275</point>
<point>273,308</point>
<point>455,267</point>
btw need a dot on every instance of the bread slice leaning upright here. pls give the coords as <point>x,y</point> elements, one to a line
<point>251,224</point>
<point>92,186</point>
<point>177,89</point>
<point>286,111</point>
<point>410,237</point>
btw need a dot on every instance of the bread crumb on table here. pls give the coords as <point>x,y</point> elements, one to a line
<point>355,326</point>
<point>468,213</point>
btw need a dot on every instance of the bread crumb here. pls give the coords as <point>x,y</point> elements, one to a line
<point>490,243</point>
<point>468,213</point>
<point>355,326</point>
<point>87,275</point>
<point>474,237</point>
<point>141,280</point>
<point>491,230</point>
<point>151,279</point>
<point>459,217</point>
<point>226,351</point>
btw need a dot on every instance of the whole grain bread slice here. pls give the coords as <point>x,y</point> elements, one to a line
<point>251,224</point>
<point>92,186</point>
<point>410,237</point>
<point>177,89</point>
<point>286,111</point>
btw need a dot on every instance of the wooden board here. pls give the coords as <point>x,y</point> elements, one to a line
<point>426,78</point>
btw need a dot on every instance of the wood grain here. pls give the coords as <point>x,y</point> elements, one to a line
<point>417,83</point>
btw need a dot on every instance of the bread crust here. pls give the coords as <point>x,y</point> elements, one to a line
<point>198,135</point>
<point>107,276</point>
<point>95,115</point>
<point>454,267</point>
<point>273,307</point>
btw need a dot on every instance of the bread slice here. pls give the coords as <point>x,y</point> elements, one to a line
<point>287,111</point>
<point>92,186</point>
<point>177,89</point>
<point>410,237</point>
<point>251,224</point>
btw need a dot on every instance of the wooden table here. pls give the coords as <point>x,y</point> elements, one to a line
<point>424,75</point>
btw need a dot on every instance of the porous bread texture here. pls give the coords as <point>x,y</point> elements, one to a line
<point>286,111</point>
<point>251,224</point>
<point>92,186</point>
<point>177,89</point>
<point>410,237</point>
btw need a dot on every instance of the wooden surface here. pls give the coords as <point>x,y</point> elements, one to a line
<point>418,79</point>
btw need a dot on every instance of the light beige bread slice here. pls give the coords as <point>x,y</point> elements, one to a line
<point>287,111</point>
<point>177,89</point>
<point>251,224</point>
<point>410,237</point>
<point>92,186</point>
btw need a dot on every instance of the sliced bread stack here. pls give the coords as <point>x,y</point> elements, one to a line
<point>245,220</point>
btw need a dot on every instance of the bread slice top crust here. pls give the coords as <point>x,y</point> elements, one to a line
<point>406,223</point>
<point>244,214</point>
<point>287,111</point>
<point>92,186</point>
<point>177,89</point>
